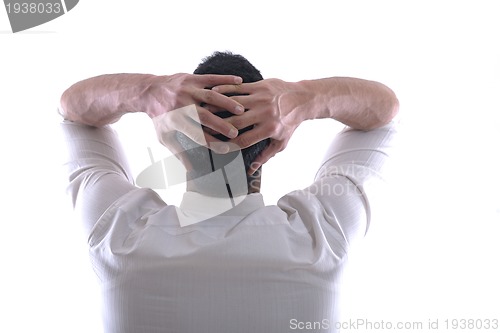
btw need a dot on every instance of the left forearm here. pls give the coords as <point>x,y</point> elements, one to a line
<point>101,100</point>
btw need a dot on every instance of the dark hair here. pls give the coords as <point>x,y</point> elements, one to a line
<point>223,63</point>
<point>227,63</point>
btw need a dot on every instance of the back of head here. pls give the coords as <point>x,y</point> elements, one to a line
<point>227,63</point>
<point>203,160</point>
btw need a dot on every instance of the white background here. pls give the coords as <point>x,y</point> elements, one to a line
<point>432,253</point>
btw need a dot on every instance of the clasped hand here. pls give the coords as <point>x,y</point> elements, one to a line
<point>187,103</point>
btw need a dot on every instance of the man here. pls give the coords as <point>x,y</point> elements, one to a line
<point>223,261</point>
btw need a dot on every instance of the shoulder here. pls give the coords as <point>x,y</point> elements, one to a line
<point>126,215</point>
<point>332,209</point>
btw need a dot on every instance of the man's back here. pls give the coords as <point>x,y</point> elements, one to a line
<point>252,269</point>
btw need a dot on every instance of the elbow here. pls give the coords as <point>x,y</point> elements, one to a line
<point>71,108</point>
<point>65,106</point>
<point>391,110</point>
<point>386,111</point>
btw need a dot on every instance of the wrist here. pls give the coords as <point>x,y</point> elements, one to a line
<point>149,99</point>
<point>301,99</point>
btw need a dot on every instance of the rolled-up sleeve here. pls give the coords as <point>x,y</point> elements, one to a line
<point>350,176</point>
<point>97,170</point>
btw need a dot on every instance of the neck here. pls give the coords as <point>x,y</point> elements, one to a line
<point>216,184</point>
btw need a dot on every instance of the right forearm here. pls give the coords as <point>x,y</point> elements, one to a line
<point>101,100</point>
<point>275,108</point>
<point>358,103</point>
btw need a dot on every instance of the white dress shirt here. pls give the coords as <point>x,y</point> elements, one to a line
<point>250,268</point>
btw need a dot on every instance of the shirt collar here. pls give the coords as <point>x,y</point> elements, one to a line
<point>196,207</point>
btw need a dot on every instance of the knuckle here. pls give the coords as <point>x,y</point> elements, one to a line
<point>236,122</point>
<point>210,108</point>
<point>203,117</point>
<point>273,128</point>
<point>279,148</point>
<point>244,141</point>
<point>208,96</point>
